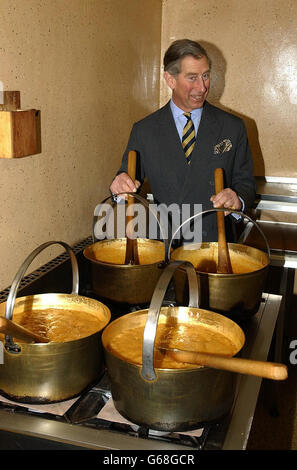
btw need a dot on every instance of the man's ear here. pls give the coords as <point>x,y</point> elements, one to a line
<point>170,80</point>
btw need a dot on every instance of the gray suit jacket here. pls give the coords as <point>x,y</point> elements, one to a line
<point>172,180</point>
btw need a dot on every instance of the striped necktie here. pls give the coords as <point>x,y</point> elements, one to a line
<point>188,138</point>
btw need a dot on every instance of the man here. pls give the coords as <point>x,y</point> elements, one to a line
<point>186,175</point>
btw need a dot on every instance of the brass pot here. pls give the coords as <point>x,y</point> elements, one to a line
<point>133,284</point>
<point>51,372</point>
<point>235,295</point>
<point>114,280</point>
<point>169,399</point>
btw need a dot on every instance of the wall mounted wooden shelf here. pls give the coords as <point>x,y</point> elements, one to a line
<point>19,129</point>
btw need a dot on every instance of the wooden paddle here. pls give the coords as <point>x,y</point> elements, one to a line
<point>268,370</point>
<point>224,263</point>
<point>10,328</point>
<point>131,246</point>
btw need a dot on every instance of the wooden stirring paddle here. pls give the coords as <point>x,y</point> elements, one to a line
<point>224,262</point>
<point>131,246</point>
<point>268,370</point>
<point>10,328</point>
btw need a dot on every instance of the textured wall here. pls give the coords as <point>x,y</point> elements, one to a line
<point>253,46</point>
<point>92,68</point>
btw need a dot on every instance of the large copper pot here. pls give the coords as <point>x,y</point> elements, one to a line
<point>235,295</point>
<point>169,399</point>
<point>126,283</point>
<point>54,371</point>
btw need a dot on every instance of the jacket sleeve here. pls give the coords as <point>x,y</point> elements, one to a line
<point>133,144</point>
<point>243,181</point>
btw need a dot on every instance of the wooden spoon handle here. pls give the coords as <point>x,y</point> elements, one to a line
<point>132,165</point>
<point>224,263</point>
<point>269,370</point>
<point>16,331</point>
<point>131,247</point>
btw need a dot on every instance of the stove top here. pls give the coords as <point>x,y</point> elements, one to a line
<point>78,424</point>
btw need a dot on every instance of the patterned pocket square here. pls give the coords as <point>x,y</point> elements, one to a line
<point>222,147</point>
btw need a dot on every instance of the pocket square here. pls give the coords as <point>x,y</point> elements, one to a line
<point>222,147</point>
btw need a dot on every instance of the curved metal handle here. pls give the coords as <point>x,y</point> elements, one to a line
<point>149,206</point>
<point>149,336</point>
<point>19,275</point>
<point>218,210</point>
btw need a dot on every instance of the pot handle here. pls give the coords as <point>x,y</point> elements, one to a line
<point>218,210</point>
<point>19,275</point>
<point>147,371</point>
<point>149,206</point>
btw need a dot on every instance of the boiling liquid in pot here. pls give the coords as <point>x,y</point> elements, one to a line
<point>59,325</point>
<point>205,260</point>
<point>127,345</point>
<point>115,252</point>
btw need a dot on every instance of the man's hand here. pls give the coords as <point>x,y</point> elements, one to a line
<point>226,198</point>
<point>124,184</point>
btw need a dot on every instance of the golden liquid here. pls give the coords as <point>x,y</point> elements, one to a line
<point>59,325</point>
<point>115,252</point>
<point>127,345</point>
<point>205,260</point>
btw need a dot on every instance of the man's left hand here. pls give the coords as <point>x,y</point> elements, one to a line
<point>226,198</point>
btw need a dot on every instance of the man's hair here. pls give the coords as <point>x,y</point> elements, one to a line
<point>180,49</point>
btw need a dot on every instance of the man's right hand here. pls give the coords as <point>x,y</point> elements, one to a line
<point>124,184</point>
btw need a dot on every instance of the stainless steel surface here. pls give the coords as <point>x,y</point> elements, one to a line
<point>277,179</point>
<point>276,205</point>
<point>276,194</point>
<point>284,259</point>
<point>248,387</point>
<point>278,256</point>
<point>277,188</point>
<point>280,195</point>
<point>81,436</point>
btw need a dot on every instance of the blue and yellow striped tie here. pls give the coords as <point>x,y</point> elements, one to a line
<point>188,138</point>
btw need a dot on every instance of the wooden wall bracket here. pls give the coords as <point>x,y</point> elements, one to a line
<point>20,134</point>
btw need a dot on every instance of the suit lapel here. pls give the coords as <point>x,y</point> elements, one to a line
<point>207,135</point>
<point>208,132</point>
<point>171,150</point>
<point>170,137</point>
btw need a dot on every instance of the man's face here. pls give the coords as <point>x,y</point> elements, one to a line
<point>191,86</point>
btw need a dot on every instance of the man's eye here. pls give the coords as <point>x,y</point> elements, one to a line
<point>205,76</point>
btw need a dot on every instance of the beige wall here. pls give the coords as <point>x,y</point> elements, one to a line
<point>253,47</point>
<point>92,68</point>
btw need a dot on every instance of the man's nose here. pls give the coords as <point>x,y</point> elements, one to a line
<point>199,84</point>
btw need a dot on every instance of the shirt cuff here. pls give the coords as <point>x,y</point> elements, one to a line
<point>237,216</point>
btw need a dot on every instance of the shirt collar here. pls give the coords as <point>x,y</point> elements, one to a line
<point>177,112</point>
